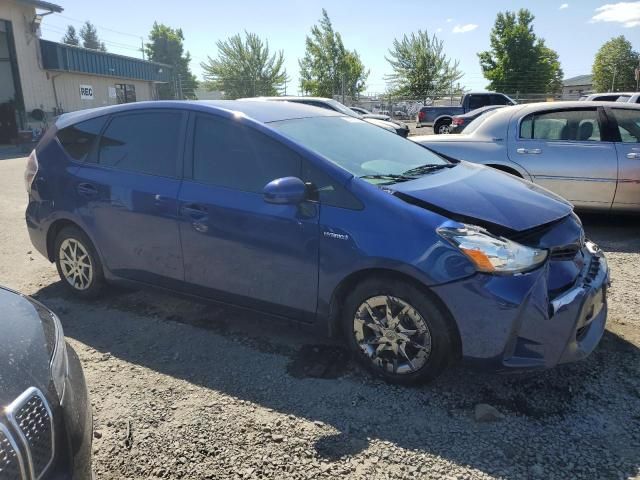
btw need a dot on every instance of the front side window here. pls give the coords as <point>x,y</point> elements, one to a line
<point>142,142</point>
<point>628,124</point>
<point>125,93</point>
<point>568,125</point>
<point>357,146</point>
<point>78,139</point>
<point>230,155</point>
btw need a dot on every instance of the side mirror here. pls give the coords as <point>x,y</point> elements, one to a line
<point>285,191</point>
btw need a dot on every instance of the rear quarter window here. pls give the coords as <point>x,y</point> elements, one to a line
<point>78,140</point>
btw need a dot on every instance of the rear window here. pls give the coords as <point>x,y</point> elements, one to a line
<point>78,140</point>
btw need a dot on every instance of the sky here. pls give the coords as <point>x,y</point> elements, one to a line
<point>575,28</point>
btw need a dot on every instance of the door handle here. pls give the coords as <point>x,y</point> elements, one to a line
<point>87,190</point>
<point>633,156</point>
<point>193,210</point>
<point>529,151</point>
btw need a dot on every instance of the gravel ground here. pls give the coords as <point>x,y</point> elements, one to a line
<point>183,389</point>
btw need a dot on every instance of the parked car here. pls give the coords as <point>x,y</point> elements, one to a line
<point>45,412</point>
<point>629,98</point>
<point>440,118</point>
<point>460,122</point>
<point>383,121</point>
<point>606,97</point>
<point>366,113</point>
<point>589,154</point>
<point>322,218</point>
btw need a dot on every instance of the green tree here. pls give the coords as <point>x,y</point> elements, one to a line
<point>327,65</point>
<point>90,39</point>
<point>519,61</point>
<point>245,68</point>
<point>420,67</point>
<point>166,45</point>
<point>71,37</point>
<point>614,66</point>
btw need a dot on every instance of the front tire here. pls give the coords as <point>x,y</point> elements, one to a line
<point>396,331</point>
<point>78,263</point>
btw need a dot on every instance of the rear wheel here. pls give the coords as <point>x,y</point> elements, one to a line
<point>396,332</point>
<point>442,127</point>
<point>77,262</point>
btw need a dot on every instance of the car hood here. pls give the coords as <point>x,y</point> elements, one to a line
<point>26,333</point>
<point>376,116</point>
<point>477,194</point>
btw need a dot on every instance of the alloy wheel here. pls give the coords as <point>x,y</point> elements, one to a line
<point>444,129</point>
<point>392,334</point>
<point>75,264</point>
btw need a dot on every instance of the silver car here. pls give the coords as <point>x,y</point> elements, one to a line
<point>587,153</point>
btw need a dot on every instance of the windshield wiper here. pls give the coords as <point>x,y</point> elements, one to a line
<point>428,168</point>
<point>389,176</point>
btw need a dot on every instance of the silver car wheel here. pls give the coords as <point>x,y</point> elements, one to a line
<point>75,264</point>
<point>392,334</point>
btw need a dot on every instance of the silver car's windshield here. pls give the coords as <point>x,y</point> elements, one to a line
<point>359,147</point>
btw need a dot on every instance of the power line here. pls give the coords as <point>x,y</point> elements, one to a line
<point>100,26</point>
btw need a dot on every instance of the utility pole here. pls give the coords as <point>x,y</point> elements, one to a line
<point>142,49</point>
<point>343,88</point>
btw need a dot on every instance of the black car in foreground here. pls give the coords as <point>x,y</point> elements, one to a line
<point>45,413</point>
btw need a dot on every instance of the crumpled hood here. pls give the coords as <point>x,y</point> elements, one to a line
<point>26,340</point>
<point>469,192</point>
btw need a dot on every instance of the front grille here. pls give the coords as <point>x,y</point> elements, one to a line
<point>564,253</point>
<point>11,466</point>
<point>30,415</point>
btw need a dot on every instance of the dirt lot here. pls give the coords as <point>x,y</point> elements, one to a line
<point>191,390</point>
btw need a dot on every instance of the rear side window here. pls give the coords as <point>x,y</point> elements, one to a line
<point>78,140</point>
<point>234,156</point>
<point>477,101</point>
<point>499,100</point>
<point>574,125</point>
<point>628,124</point>
<point>142,142</point>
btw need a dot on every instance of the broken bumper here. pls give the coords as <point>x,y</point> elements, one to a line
<point>511,322</point>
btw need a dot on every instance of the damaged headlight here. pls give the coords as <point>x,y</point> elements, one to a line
<point>490,253</point>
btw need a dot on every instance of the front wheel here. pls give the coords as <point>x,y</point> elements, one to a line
<point>78,263</point>
<point>396,331</point>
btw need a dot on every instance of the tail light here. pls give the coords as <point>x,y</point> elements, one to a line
<point>31,170</point>
<point>457,121</point>
<point>421,115</point>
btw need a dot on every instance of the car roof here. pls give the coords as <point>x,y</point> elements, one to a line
<point>539,106</point>
<point>263,112</point>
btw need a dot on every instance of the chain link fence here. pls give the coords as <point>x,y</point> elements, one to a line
<point>408,108</point>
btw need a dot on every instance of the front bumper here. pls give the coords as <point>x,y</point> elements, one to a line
<point>511,322</point>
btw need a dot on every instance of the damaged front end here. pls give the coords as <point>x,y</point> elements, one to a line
<point>553,314</point>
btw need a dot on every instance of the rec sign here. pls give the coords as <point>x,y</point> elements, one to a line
<point>86,92</point>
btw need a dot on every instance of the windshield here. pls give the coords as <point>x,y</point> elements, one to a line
<point>357,146</point>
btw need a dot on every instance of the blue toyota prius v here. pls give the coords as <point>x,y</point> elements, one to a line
<point>303,213</point>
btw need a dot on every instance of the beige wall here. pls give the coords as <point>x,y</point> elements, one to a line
<point>68,90</point>
<point>36,89</point>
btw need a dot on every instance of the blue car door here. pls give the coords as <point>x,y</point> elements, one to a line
<point>127,193</point>
<point>236,247</point>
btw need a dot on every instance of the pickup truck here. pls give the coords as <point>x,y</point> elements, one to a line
<point>440,118</point>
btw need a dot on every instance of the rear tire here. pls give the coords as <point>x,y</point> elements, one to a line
<point>78,263</point>
<point>442,127</point>
<point>396,331</point>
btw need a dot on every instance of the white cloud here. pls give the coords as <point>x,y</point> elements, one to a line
<point>464,28</point>
<point>563,6</point>
<point>438,30</point>
<point>449,20</point>
<point>626,13</point>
